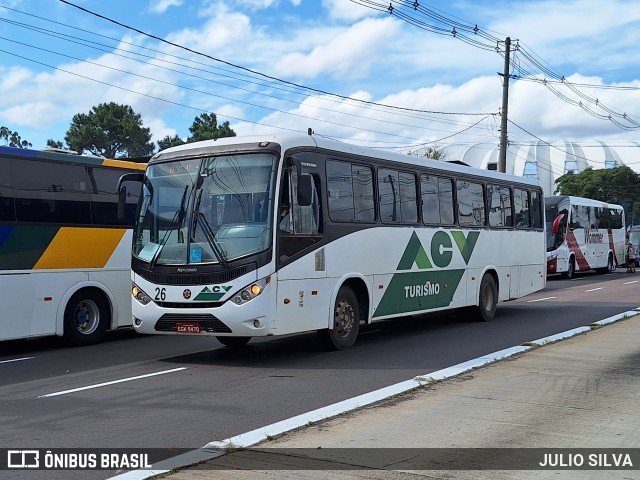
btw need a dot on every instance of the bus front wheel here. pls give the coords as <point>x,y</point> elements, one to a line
<point>346,321</point>
<point>233,342</point>
<point>571,269</point>
<point>86,317</point>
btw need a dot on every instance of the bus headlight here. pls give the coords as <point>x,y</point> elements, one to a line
<point>251,291</point>
<point>139,295</point>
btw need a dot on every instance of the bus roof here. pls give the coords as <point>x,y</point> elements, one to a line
<point>66,157</point>
<point>573,200</point>
<point>287,141</point>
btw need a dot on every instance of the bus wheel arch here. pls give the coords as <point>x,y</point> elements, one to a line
<point>87,316</point>
<point>350,308</point>
<point>487,298</point>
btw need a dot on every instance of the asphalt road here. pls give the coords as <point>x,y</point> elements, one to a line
<point>192,390</point>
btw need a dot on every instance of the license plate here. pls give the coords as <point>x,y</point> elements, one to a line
<point>188,327</point>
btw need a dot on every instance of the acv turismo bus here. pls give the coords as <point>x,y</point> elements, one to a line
<point>583,234</point>
<point>240,238</point>
<point>65,253</point>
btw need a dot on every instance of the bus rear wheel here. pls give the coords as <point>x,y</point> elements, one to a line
<point>346,321</point>
<point>86,318</point>
<point>487,300</point>
<point>233,342</point>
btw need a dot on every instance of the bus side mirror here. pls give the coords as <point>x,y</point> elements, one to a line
<point>122,191</point>
<point>556,224</point>
<point>305,190</point>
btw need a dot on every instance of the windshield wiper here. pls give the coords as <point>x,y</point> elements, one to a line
<point>177,220</point>
<point>209,234</point>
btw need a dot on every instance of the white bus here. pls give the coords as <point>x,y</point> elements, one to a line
<point>65,256</point>
<point>583,234</point>
<point>240,238</point>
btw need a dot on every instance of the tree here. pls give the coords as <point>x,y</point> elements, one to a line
<point>55,143</point>
<point>168,141</point>
<point>110,130</point>
<point>434,153</point>
<point>619,185</point>
<point>12,139</point>
<point>205,127</point>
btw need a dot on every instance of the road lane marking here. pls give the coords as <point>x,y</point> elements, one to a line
<point>16,359</point>
<point>594,289</point>
<point>629,283</point>
<point>540,299</point>
<point>97,385</point>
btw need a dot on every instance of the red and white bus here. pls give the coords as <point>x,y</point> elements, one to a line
<point>583,234</point>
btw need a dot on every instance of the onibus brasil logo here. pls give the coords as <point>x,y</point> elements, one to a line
<point>431,285</point>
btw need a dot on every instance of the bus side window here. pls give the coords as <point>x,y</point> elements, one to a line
<point>306,219</point>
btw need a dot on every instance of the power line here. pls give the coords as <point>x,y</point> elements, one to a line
<point>255,72</point>
<point>470,33</point>
<point>98,46</point>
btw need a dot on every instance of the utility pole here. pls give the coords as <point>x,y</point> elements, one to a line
<point>502,160</point>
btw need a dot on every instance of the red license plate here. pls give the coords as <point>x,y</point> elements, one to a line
<point>188,327</point>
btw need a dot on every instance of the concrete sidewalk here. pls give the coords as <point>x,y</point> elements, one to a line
<point>582,392</point>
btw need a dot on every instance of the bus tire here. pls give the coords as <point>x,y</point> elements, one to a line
<point>610,266</point>
<point>346,321</point>
<point>487,299</point>
<point>233,342</point>
<point>571,269</point>
<point>86,318</point>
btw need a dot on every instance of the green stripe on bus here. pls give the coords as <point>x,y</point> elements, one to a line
<point>24,246</point>
<point>415,291</point>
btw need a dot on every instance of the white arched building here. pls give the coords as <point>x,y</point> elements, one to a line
<point>548,161</point>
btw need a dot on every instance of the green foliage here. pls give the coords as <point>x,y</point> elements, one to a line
<point>434,153</point>
<point>168,141</point>
<point>110,130</point>
<point>205,127</point>
<point>619,185</point>
<point>55,143</point>
<point>12,139</point>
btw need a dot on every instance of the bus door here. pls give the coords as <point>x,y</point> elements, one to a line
<point>303,288</point>
<point>299,226</point>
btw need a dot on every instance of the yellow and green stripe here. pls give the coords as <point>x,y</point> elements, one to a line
<point>53,247</point>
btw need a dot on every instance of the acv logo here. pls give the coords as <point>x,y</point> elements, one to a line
<point>441,250</point>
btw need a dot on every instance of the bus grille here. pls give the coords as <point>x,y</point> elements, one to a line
<point>189,304</point>
<point>208,323</point>
<point>193,279</point>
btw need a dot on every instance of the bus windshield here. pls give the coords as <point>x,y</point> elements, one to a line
<point>205,210</point>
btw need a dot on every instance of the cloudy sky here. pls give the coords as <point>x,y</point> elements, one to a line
<point>347,69</point>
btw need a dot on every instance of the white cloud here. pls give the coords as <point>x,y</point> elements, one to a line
<point>222,28</point>
<point>349,52</point>
<point>12,78</point>
<point>230,113</point>
<point>257,4</point>
<point>346,10</point>
<point>161,6</point>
